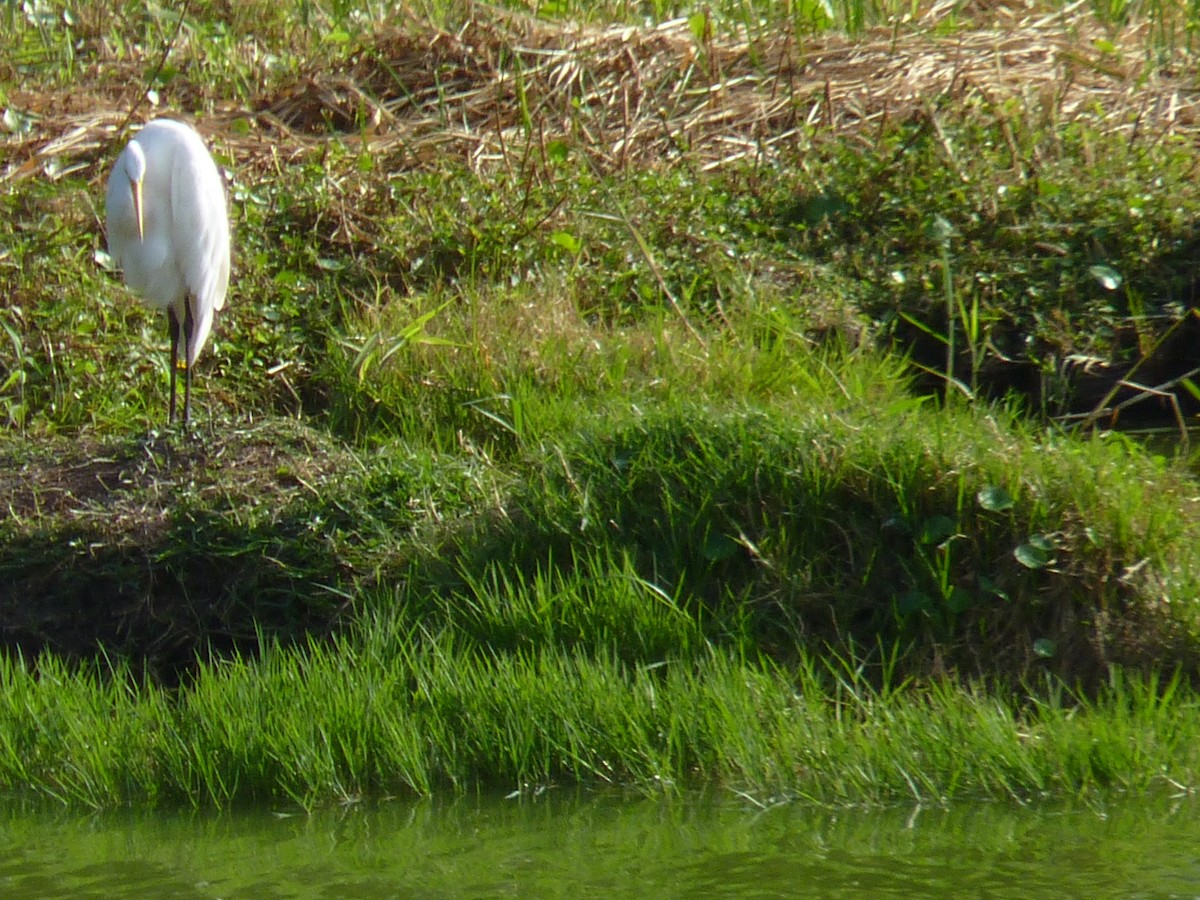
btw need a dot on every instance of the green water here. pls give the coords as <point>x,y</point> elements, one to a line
<point>567,845</point>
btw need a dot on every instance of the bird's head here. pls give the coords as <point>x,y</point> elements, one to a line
<point>135,169</point>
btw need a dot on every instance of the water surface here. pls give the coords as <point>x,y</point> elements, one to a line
<point>563,844</point>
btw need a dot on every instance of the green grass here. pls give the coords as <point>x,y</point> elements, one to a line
<point>386,711</point>
<point>543,439</point>
<point>661,607</point>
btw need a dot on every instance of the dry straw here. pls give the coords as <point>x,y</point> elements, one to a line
<point>647,96</point>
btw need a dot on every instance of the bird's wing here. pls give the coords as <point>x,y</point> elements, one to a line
<point>200,221</point>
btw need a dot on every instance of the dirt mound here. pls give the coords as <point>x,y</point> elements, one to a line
<point>161,549</point>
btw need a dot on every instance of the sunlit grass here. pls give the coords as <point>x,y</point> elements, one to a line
<point>417,712</point>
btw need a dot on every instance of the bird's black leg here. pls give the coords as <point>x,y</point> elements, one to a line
<point>189,326</point>
<point>173,325</point>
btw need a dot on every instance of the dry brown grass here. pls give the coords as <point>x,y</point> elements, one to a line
<point>500,89</point>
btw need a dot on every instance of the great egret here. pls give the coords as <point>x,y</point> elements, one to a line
<point>168,230</point>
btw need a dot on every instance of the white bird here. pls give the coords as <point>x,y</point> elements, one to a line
<point>168,230</point>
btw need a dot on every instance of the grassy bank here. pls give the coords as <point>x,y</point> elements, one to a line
<point>634,400</point>
<point>383,711</point>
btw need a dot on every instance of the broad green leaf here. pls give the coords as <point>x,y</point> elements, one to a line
<point>936,529</point>
<point>986,584</point>
<point>1110,279</point>
<point>994,498</point>
<point>1033,555</point>
<point>1042,542</point>
<point>567,241</point>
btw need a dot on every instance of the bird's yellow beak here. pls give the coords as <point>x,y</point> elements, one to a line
<point>136,188</point>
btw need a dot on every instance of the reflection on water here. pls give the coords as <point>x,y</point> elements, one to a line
<point>570,845</point>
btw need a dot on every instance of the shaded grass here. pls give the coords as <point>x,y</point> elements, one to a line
<point>825,508</point>
<point>812,525</point>
<point>163,549</point>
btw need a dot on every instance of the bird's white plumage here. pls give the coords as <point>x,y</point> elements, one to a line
<point>181,254</point>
